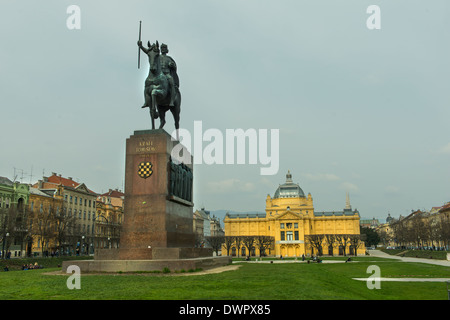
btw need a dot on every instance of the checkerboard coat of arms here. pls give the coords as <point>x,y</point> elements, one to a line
<point>145,169</point>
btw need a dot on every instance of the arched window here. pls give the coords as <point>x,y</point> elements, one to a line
<point>20,204</point>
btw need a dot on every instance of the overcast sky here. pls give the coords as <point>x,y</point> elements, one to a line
<point>358,110</point>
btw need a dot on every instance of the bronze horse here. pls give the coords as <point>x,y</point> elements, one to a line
<point>157,89</point>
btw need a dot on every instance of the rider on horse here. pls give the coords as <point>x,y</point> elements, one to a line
<point>169,68</point>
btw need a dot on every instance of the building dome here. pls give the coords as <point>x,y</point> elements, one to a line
<point>289,189</point>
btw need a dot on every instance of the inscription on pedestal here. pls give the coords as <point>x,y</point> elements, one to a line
<point>145,146</point>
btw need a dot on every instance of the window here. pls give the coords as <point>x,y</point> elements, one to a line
<point>289,236</point>
<point>65,198</point>
<point>289,225</point>
<point>70,199</point>
<point>76,200</point>
<point>281,225</point>
<point>295,225</point>
<point>282,238</point>
<point>296,235</point>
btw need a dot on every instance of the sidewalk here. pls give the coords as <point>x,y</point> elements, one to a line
<point>381,254</point>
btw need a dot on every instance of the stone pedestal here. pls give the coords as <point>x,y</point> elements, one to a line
<point>157,228</point>
<point>153,218</point>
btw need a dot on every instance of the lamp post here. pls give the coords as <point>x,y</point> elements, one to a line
<point>82,246</point>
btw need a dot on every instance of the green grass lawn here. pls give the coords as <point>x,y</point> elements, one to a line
<point>426,254</point>
<point>252,281</point>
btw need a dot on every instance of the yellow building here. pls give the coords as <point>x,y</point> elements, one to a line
<point>296,229</point>
<point>80,206</point>
<point>44,209</point>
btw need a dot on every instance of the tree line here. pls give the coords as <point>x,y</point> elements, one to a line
<point>263,243</point>
<point>342,242</point>
<point>51,227</point>
<point>420,231</point>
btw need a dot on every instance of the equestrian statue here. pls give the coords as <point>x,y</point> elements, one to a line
<point>161,92</point>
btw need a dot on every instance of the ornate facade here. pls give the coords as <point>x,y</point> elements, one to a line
<point>295,227</point>
<point>109,219</point>
<point>80,204</point>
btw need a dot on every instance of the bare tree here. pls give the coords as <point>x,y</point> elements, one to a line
<point>443,232</point>
<point>63,224</point>
<point>228,243</point>
<point>237,242</point>
<point>6,228</point>
<point>400,233</point>
<point>343,240</point>
<point>315,241</point>
<point>248,242</point>
<point>264,243</point>
<point>43,228</point>
<point>355,242</point>
<point>418,230</point>
<point>330,240</point>
<point>215,242</point>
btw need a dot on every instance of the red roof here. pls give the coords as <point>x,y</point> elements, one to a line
<point>56,179</point>
<point>113,194</point>
<point>61,180</point>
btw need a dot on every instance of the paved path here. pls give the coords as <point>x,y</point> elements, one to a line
<point>381,254</point>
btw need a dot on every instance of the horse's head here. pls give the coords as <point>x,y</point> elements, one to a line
<point>153,54</point>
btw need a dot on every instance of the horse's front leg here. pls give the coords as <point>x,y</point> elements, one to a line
<point>162,119</point>
<point>176,117</point>
<point>153,113</point>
